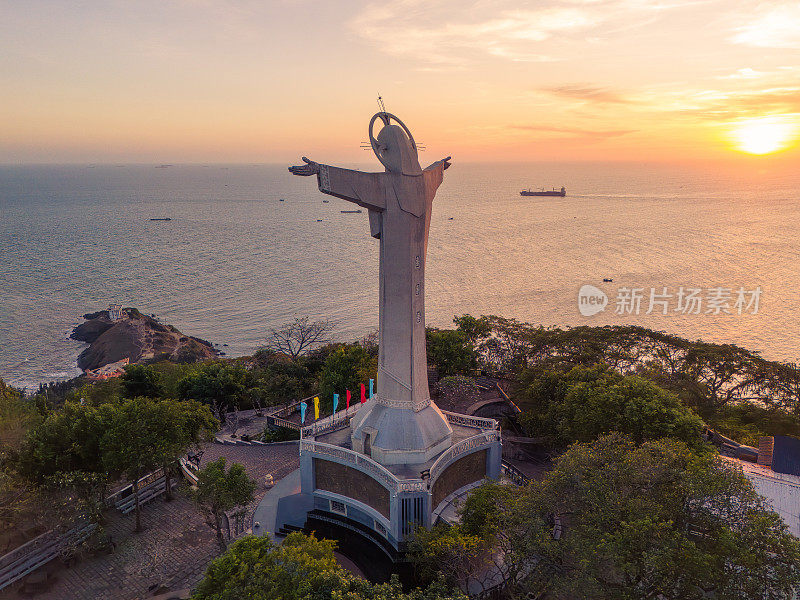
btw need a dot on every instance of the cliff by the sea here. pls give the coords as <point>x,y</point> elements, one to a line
<point>137,337</point>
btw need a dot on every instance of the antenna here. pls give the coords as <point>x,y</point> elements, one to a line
<point>380,103</point>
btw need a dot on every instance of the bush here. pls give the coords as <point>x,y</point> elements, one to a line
<point>279,434</point>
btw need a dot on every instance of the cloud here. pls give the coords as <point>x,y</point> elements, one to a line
<point>574,132</point>
<point>450,31</point>
<point>775,26</point>
<point>587,93</point>
<point>746,73</point>
<point>717,105</point>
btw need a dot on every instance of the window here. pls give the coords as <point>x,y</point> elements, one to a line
<point>380,528</point>
<point>338,507</point>
<point>411,514</point>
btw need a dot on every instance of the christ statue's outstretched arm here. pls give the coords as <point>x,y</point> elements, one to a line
<point>434,174</point>
<point>361,188</point>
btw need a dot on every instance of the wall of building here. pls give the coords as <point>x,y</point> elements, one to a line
<point>783,495</point>
<point>347,481</point>
<point>463,471</point>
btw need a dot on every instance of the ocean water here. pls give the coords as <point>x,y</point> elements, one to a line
<point>235,260</point>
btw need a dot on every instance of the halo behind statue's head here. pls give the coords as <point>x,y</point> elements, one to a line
<point>394,146</point>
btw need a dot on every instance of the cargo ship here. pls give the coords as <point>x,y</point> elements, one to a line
<point>554,192</point>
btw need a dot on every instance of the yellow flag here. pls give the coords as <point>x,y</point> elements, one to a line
<point>316,407</point>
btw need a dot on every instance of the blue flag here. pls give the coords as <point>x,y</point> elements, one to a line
<point>335,402</point>
<point>303,407</point>
<point>371,384</point>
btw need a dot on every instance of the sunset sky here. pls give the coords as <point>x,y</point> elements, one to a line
<point>260,81</point>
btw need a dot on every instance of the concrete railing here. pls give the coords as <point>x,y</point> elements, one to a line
<point>364,463</point>
<point>338,420</point>
<point>189,470</point>
<point>152,491</point>
<point>462,447</point>
<point>470,421</point>
<point>287,410</point>
<point>126,491</point>
<point>281,422</point>
<point>24,560</point>
<point>514,474</point>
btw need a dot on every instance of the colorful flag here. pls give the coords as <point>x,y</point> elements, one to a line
<point>371,384</point>
<point>316,407</point>
<point>347,397</point>
<point>335,402</point>
<point>363,394</point>
<point>303,407</point>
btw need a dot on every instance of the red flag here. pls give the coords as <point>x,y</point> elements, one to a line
<point>363,394</point>
<point>348,398</point>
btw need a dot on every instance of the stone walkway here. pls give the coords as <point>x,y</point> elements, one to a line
<point>173,550</point>
<point>277,460</point>
<point>175,547</point>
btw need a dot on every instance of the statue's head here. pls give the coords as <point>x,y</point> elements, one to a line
<point>395,146</point>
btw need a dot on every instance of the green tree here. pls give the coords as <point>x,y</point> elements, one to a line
<point>451,351</point>
<point>134,444</point>
<point>17,416</point>
<point>141,380</point>
<point>301,568</point>
<point>463,558</point>
<point>65,451</point>
<point>19,502</point>
<point>651,521</point>
<point>283,381</point>
<point>220,490</point>
<point>483,549</point>
<point>93,394</point>
<point>475,328</point>
<point>706,377</point>
<point>345,368</point>
<point>221,386</point>
<point>588,402</point>
<point>185,424</point>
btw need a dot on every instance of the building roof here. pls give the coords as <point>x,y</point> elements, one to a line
<point>753,469</point>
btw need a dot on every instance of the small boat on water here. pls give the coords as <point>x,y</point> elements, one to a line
<point>351,211</point>
<point>161,219</point>
<point>542,192</point>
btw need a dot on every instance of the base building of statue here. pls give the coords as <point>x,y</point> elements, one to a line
<point>386,502</point>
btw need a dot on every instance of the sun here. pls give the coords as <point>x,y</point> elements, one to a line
<point>763,135</point>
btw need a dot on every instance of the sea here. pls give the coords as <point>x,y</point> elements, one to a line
<point>251,247</point>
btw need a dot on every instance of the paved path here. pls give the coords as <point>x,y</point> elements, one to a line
<point>266,513</point>
<point>275,459</point>
<point>176,545</point>
<point>173,550</point>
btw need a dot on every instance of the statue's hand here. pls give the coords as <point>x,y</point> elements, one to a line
<point>310,168</point>
<point>446,162</point>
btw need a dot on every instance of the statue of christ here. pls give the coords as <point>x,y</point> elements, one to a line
<point>401,425</point>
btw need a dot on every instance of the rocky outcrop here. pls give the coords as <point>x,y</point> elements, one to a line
<point>96,325</point>
<point>138,338</point>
